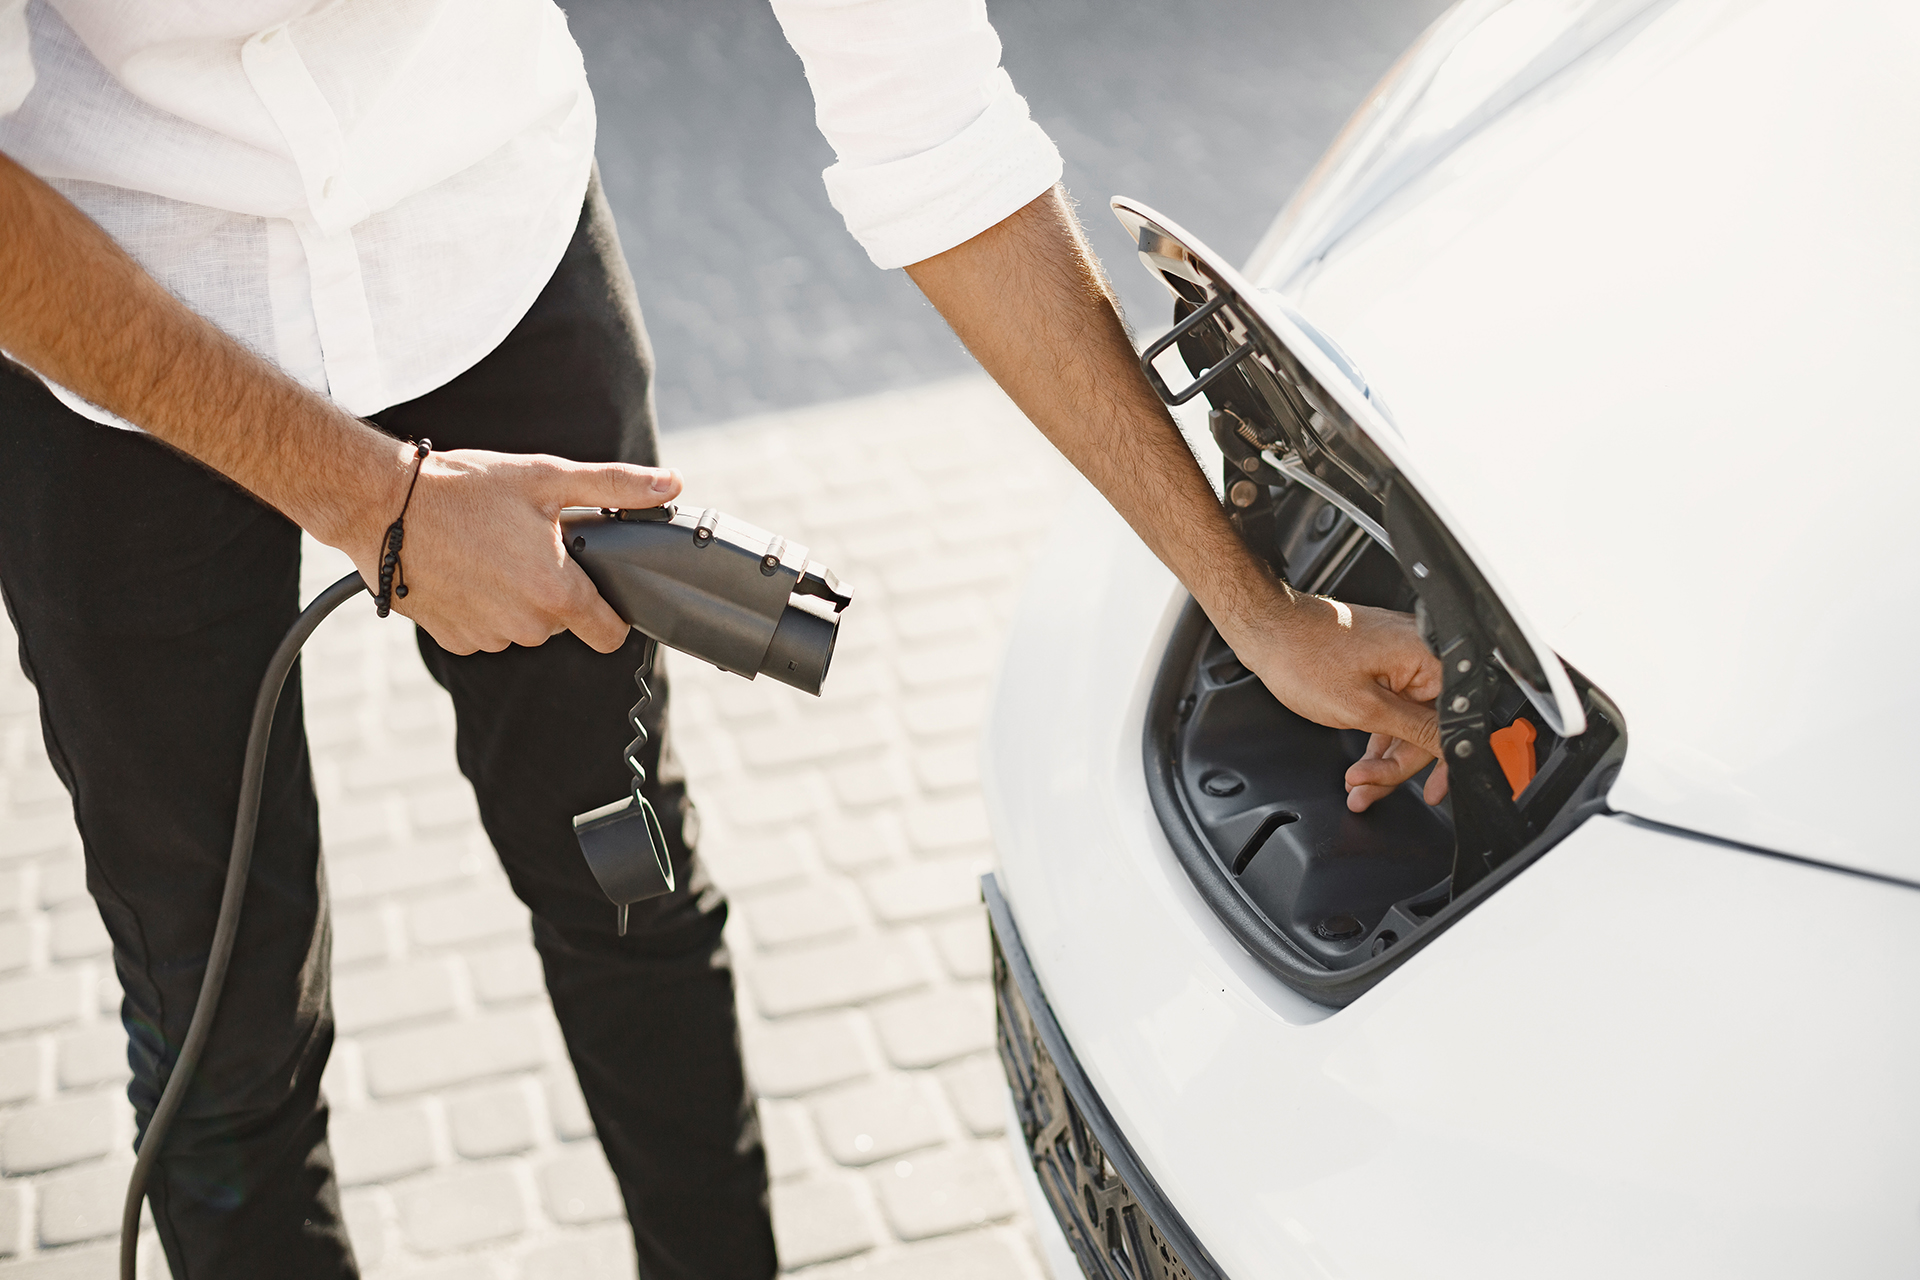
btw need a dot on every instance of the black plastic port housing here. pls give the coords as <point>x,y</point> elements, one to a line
<point>1252,797</point>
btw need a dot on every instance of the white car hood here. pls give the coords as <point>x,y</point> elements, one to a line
<point>1652,338</point>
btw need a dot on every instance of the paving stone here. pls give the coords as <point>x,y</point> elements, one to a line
<point>349,825</point>
<point>818,1219</point>
<point>763,803</point>
<point>877,1119</point>
<point>567,1106</point>
<point>359,937</point>
<point>977,1088</point>
<point>869,783</point>
<point>407,763</point>
<point>940,826</point>
<point>414,1061</point>
<point>20,1067</point>
<point>94,1055</point>
<point>932,1027</point>
<point>77,933</point>
<point>84,1204</point>
<point>13,892</point>
<point>977,1255</point>
<point>963,946</point>
<point>442,807</point>
<point>855,844</point>
<point>741,702</point>
<point>462,1208</point>
<point>740,865</point>
<point>378,1144</point>
<point>505,975</point>
<point>944,1191</point>
<point>799,1055</point>
<point>482,1267</point>
<point>820,977</point>
<point>107,994</point>
<point>597,1253</point>
<point>466,916</point>
<point>949,767</point>
<point>924,670</point>
<point>16,945</point>
<point>92,1262</point>
<point>945,715</point>
<point>53,1134</point>
<point>394,993</point>
<point>807,914</point>
<point>366,1215</point>
<point>344,1081</point>
<point>920,890</point>
<point>784,1130</point>
<point>389,871</point>
<point>13,1219</point>
<point>949,619</point>
<point>577,1186</point>
<point>814,740</point>
<point>491,1122</point>
<point>35,837</point>
<point>63,880</point>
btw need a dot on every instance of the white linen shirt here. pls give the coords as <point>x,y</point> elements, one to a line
<point>372,193</point>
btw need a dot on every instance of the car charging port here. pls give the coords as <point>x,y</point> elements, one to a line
<point>1252,796</point>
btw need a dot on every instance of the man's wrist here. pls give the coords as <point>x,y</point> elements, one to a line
<point>352,508</point>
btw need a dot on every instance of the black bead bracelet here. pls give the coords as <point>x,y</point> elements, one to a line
<point>390,569</point>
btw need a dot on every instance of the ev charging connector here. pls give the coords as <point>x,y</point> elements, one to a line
<point>743,599</point>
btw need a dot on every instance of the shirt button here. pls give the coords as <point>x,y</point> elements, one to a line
<point>326,189</point>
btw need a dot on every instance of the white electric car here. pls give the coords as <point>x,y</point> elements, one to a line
<point>1595,339</point>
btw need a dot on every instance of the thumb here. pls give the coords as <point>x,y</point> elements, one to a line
<point>1411,722</point>
<point>611,484</point>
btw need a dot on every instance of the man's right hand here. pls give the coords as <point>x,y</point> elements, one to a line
<point>483,559</point>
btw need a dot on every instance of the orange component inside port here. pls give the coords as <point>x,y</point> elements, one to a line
<point>1513,748</point>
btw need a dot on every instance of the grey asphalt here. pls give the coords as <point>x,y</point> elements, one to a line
<point>1210,110</point>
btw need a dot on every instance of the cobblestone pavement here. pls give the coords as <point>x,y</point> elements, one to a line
<point>847,830</point>
<point>756,296</point>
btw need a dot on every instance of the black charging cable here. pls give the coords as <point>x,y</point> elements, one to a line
<point>252,779</point>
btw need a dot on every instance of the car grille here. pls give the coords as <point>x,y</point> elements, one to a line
<point>1114,1216</point>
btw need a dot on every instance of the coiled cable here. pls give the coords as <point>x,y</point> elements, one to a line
<point>227,928</point>
<point>632,755</point>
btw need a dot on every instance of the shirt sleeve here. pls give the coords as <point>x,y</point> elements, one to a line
<point>933,144</point>
<point>16,59</point>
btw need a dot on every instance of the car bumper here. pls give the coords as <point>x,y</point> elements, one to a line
<point>1648,1054</point>
<point>1110,1214</point>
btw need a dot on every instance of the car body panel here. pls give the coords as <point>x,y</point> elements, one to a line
<point>1651,337</point>
<point>1647,1054</point>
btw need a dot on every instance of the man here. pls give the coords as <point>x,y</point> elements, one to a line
<point>249,250</point>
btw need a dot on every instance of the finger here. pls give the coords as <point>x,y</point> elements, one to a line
<point>590,617</point>
<point>611,484</point>
<point>1411,722</point>
<point>1390,771</point>
<point>1361,798</point>
<point>1377,771</point>
<point>1436,788</point>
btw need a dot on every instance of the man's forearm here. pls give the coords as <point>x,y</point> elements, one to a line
<point>1030,302</point>
<point>1028,299</point>
<point>76,308</point>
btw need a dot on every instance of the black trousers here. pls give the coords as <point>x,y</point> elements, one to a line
<point>148,594</point>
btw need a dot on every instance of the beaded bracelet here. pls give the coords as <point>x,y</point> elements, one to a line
<point>396,535</point>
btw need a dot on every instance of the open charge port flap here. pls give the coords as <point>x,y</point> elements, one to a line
<point>1252,797</point>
